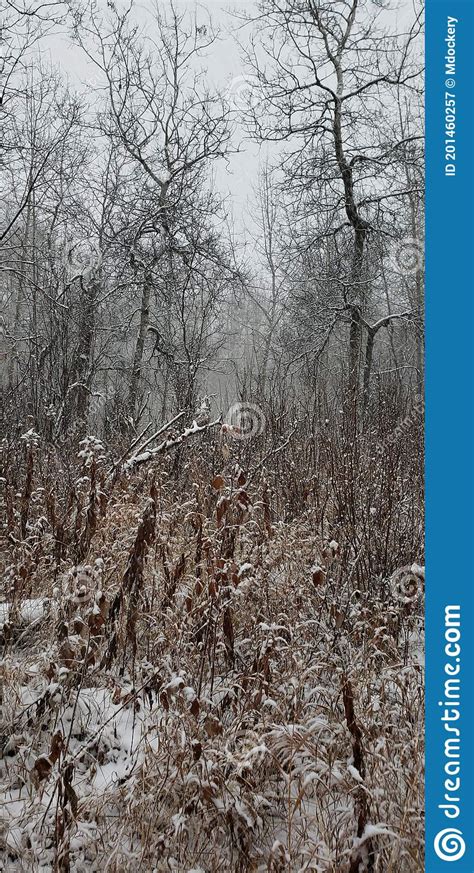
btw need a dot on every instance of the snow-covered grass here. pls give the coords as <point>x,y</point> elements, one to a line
<point>195,681</point>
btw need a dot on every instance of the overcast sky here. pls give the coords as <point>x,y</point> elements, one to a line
<point>237,177</point>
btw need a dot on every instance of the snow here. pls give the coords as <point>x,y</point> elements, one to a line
<point>354,773</point>
<point>371,831</point>
<point>30,436</point>
<point>28,610</point>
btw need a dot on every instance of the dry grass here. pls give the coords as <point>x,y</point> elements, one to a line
<point>210,682</point>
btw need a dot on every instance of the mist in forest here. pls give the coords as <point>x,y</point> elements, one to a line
<point>212,369</point>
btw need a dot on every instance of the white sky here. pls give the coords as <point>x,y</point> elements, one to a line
<point>237,177</point>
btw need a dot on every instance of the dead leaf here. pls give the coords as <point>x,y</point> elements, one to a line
<point>40,770</point>
<point>213,726</point>
<point>240,476</point>
<point>319,576</point>
<point>57,745</point>
<point>218,482</point>
<point>221,509</point>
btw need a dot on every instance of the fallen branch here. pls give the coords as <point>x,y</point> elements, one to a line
<point>169,444</point>
<point>118,464</point>
<point>160,431</point>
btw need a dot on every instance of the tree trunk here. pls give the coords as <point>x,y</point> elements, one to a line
<point>139,346</point>
<point>369,351</point>
<point>86,336</point>
<point>360,227</point>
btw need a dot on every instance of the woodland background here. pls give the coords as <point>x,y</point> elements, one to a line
<point>212,419</point>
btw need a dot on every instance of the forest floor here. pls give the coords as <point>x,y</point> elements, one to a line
<point>196,681</point>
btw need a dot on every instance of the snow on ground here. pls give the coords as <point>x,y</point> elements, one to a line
<point>26,611</point>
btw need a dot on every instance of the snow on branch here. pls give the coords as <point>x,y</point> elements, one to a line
<point>169,443</point>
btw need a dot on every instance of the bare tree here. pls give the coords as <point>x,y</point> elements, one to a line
<point>327,76</point>
<point>171,128</point>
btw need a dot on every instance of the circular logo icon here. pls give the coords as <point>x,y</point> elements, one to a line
<point>406,256</point>
<point>244,421</point>
<point>407,583</point>
<point>449,844</point>
<point>82,257</point>
<point>241,93</point>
